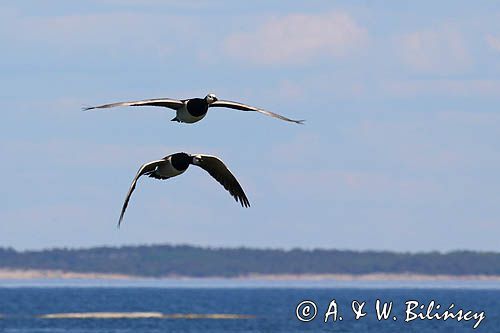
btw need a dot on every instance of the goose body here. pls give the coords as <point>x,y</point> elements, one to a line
<point>194,109</point>
<point>176,164</point>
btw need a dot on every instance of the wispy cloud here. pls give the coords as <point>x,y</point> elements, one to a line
<point>493,42</point>
<point>442,49</point>
<point>297,38</point>
<point>98,33</point>
<point>442,87</point>
<point>80,154</point>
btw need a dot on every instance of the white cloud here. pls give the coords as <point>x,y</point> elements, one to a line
<point>493,42</point>
<point>297,38</point>
<point>441,49</point>
<point>97,33</point>
<point>442,87</point>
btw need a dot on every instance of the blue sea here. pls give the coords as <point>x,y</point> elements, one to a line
<point>241,306</point>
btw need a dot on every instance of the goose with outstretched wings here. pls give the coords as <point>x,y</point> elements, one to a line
<point>194,109</point>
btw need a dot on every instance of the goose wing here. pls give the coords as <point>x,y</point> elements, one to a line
<point>217,169</point>
<point>147,168</point>
<point>165,102</point>
<point>244,107</point>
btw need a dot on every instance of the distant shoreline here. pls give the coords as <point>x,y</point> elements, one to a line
<point>29,274</point>
<point>178,262</point>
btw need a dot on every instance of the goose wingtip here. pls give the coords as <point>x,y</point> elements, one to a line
<point>245,203</point>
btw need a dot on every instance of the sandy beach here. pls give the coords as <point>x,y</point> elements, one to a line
<point>14,274</point>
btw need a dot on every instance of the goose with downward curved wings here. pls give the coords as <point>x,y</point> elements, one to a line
<point>176,164</point>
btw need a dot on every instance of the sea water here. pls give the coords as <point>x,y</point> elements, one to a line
<point>242,306</point>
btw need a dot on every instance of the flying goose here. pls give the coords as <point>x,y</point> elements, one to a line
<point>175,164</point>
<point>193,109</point>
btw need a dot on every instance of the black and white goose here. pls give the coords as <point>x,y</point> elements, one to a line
<point>176,164</point>
<point>193,109</point>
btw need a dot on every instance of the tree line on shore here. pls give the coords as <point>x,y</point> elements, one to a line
<point>184,260</point>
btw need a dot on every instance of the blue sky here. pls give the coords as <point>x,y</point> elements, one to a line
<point>401,149</point>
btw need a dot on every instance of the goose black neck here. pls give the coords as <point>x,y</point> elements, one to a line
<point>181,161</point>
<point>197,106</point>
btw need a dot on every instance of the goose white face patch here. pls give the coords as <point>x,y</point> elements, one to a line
<point>211,98</point>
<point>197,159</point>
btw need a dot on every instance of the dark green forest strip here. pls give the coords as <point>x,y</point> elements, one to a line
<point>166,260</point>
